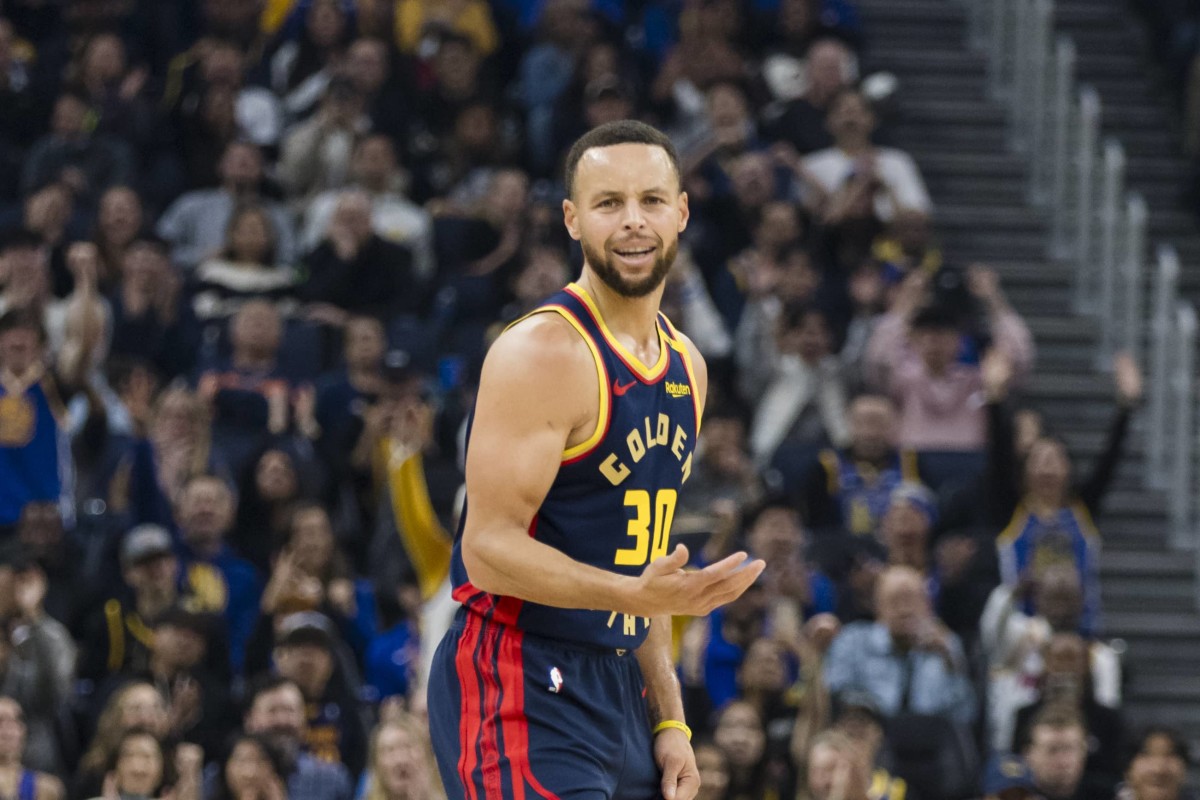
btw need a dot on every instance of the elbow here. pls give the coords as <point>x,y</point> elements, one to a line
<point>479,572</point>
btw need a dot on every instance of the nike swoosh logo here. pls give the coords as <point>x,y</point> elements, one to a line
<point>620,390</point>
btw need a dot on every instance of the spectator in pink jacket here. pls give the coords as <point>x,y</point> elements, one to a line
<point>926,356</point>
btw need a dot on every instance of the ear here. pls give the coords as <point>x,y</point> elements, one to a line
<point>684,213</point>
<point>571,219</point>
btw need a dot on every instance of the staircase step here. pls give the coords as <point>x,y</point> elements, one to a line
<point>1134,625</point>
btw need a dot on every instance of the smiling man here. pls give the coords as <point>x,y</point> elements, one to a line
<point>583,431</point>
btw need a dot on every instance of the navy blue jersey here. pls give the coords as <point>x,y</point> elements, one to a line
<point>612,503</point>
<point>35,453</point>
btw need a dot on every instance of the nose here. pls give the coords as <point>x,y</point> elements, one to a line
<point>633,219</point>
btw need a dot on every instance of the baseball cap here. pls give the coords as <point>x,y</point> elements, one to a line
<point>305,627</point>
<point>918,496</point>
<point>1006,771</point>
<point>145,542</point>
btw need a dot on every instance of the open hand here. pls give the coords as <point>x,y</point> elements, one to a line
<point>666,588</point>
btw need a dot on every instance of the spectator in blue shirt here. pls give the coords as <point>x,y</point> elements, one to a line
<point>205,514</point>
<point>907,660</point>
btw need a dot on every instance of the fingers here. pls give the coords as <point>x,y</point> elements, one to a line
<point>719,589</point>
<point>675,560</point>
<point>687,788</point>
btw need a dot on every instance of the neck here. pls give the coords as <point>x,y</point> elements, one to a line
<point>1042,503</point>
<point>151,605</point>
<point>205,548</point>
<point>365,379</point>
<point>914,557</point>
<point>855,147</point>
<point>249,359</point>
<point>634,317</point>
<point>161,669</point>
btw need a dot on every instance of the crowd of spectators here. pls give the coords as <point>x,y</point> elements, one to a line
<point>254,252</point>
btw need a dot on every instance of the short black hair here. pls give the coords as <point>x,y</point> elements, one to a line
<point>20,238</point>
<point>26,318</point>
<point>936,317</point>
<point>263,683</point>
<point>1179,745</point>
<point>624,131</point>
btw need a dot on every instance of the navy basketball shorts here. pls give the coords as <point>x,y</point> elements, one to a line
<point>514,716</point>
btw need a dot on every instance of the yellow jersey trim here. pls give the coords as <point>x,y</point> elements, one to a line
<point>681,348</point>
<point>646,374</point>
<point>602,419</point>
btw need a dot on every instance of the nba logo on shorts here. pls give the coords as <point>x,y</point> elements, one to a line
<point>556,681</point>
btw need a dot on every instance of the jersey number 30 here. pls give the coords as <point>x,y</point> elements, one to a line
<point>650,527</point>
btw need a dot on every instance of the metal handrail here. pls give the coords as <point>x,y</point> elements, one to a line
<point>1111,189</point>
<point>1060,151</point>
<point>1132,277</point>
<point>1085,171</point>
<point>1181,500</point>
<point>1166,289</point>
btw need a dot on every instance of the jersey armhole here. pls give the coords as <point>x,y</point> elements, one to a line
<point>584,448</point>
<point>678,345</point>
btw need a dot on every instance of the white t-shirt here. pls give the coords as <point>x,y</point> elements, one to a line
<point>832,167</point>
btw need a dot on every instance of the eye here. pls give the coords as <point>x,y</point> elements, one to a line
<point>608,203</point>
<point>655,200</point>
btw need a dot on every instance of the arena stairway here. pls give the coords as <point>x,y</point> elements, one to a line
<point>946,119</point>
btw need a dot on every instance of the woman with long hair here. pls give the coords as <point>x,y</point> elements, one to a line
<point>119,220</point>
<point>255,769</point>
<point>311,573</point>
<point>270,486</point>
<point>135,706</point>
<point>401,764</point>
<point>244,269</point>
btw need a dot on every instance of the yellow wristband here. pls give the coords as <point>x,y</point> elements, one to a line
<point>672,723</point>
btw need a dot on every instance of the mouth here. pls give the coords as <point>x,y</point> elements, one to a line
<point>635,255</point>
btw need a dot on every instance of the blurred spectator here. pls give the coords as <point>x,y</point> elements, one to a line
<point>838,768</point>
<point>253,768</point>
<point>18,766</point>
<point>270,486</point>
<point>915,356</point>
<point>419,20</point>
<point>150,321</point>
<point>908,660</point>
<point>1158,767</point>
<point>370,66</point>
<point>197,223</point>
<point>850,489</point>
<point>34,386</point>
<point>275,711</point>
<point>723,476</point>
<point>858,717</point>
<point>1048,519</point>
<point>1013,643</point>
<point>1066,684</point>
<point>356,271</point>
<point>118,222</point>
<point>1056,750</point>
<point>118,638</point>
<point>394,217</point>
<point>829,67</point>
<point>137,766</point>
<point>220,66</point>
<point>1008,776</point>
<point>46,545</point>
<point>311,573</point>
<point>803,406</point>
<point>72,153</point>
<point>703,56</point>
<point>204,514</point>
<point>250,394</point>
<point>114,92</point>
<point>304,653</point>
<point>52,213</point>
<point>740,735</point>
<point>713,767</point>
<point>180,432</point>
<point>137,706</point>
<point>316,154</point>
<point>301,67</point>
<point>401,761</point>
<point>37,660</point>
<point>21,114</point>
<point>246,267</point>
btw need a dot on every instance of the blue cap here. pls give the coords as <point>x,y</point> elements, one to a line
<point>1006,771</point>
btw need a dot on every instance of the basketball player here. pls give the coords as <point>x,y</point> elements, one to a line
<point>556,679</point>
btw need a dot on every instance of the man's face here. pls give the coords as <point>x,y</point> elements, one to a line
<point>69,114</point>
<point>257,327</point>
<point>182,648</point>
<point>353,212</point>
<point>120,214</point>
<point>827,62</point>
<point>279,713</point>
<point>205,510</point>
<point>154,576</point>
<point>20,350</point>
<point>903,607</point>
<point>241,167</point>
<point>367,64</point>
<point>401,763</point>
<point>850,117</point>
<point>1056,757</point>
<point>938,347</point>
<point>309,665</point>
<point>905,526</point>
<point>872,427</point>
<point>776,534</point>
<point>365,343</point>
<point>12,729</point>
<point>1156,772</point>
<point>374,163</point>
<point>627,213</point>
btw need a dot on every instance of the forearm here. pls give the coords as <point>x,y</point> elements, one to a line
<point>664,699</point>
<point>514,564</point>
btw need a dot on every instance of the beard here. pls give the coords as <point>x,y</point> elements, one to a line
<point>601,263</point>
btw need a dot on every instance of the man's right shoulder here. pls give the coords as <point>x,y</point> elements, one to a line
<point>542,341</point>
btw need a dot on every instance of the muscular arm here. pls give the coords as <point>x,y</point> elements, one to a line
<point>537,396</point>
